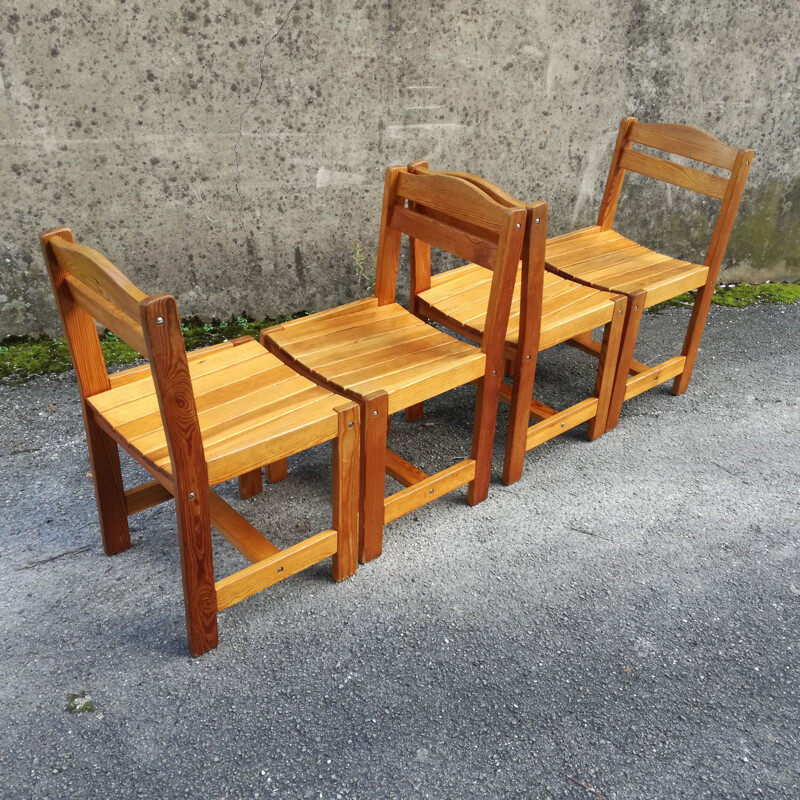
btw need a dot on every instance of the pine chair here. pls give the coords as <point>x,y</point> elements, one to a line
<point>379,354</point>
<point>193,421</point>
<point>546,310</point>
<point>601,257</point>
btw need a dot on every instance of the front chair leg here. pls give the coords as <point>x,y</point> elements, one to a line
<point>519,417</point>
<point>483,436</point>
<point>345,491</point>
<point>250,484</point>
<point>278,470</point>
<point>606,364</point>
<point>630,332</point>
<point>374,422</point>
<point>197,568</point>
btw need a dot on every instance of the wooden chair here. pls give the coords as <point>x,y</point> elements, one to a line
<point>599,256</point>
<point>379,354</point>
<point>546,310</point>
<point>193,421</point>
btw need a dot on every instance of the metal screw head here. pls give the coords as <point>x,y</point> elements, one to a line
<point>494,372</point>
<point>518,226</point>
<point>636,308</point>
<point>537,220</point>
<point>192,495</point>
<point>527,358</point>
<point>431,491</point>
<point>159,320</point>
<point>349,424</point>
<point>374,413</point>
<point>747,163</point>
<point>563,424</point>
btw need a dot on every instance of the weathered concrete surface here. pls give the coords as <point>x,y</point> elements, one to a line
<point>233,155</point>
<point>626,615</point>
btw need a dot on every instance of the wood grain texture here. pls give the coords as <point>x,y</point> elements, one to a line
<point>277,470</point>
<point>251,483</point>
<point>145,496</point>
<point>374,419</point>
<point>288,562</point>
<point>174,390</point>
<point>346,488</point>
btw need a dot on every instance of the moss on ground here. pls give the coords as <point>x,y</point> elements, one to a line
<point>742,295</point>
<point>22,357</point>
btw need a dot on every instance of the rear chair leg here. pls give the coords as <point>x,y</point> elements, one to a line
<point>415,412</point>
<point>250,484</point>
<point>606,364</point>
<point>374,421</point>
<point>345,492</point>
<point>691,344</point>
<point>108,488</point>
<point>197,568</point>
<point>278,470</point>
<point>630,332</point>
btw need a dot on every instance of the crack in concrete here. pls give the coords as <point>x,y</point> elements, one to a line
<point>252,103</point>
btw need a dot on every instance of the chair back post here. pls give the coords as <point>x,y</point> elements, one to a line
<point>616,175</point>
<point>419,254</point>
<point>532,288</point>
<point>79,327</point>
<point>728,212</point>
<point>509,248</point>
<point>388,243</point>
<point>170,370</point>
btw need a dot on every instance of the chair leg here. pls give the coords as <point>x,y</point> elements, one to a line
<point>374,420</point>
<point>483,436</point>
<point>630,332</point>
<point>250,484</point>
<point>415,412</point>
<point>691,344</point>
<point>606,368</point>
<point>197,568</point>
<point>108,488</point>
<point>278,470</point>
<point>345,492</point>
<point>519,417</point>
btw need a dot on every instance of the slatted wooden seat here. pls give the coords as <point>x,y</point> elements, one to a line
<point>602,257</point>
<point>193,421</point>
<point>379,354</point>
<point>554,310</point>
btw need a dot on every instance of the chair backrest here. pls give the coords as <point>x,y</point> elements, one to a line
<point>89,288</point>
<point>691,143</point>
<point>457,214</point>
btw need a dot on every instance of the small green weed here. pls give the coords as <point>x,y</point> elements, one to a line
<point>364,279</point>
<point>79,703</point>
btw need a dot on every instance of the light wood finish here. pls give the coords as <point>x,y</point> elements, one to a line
<point>387,359</point>
<point>601,257</point>
<point>546,310</point>
<point>193,421</point>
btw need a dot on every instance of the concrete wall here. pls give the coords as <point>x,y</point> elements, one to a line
<point>233,153</point>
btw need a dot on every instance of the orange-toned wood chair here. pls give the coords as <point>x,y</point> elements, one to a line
<point>376,352</point>
<point>546,310</point>
<point>193,421</point>
<point>601,257</point>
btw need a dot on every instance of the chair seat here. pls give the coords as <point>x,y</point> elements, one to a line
<point>609,260</point>
<point>461,296</point>
<point>251,407</point>
<point>363,347</point>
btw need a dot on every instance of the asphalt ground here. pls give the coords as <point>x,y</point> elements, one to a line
<point>621,623</point>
